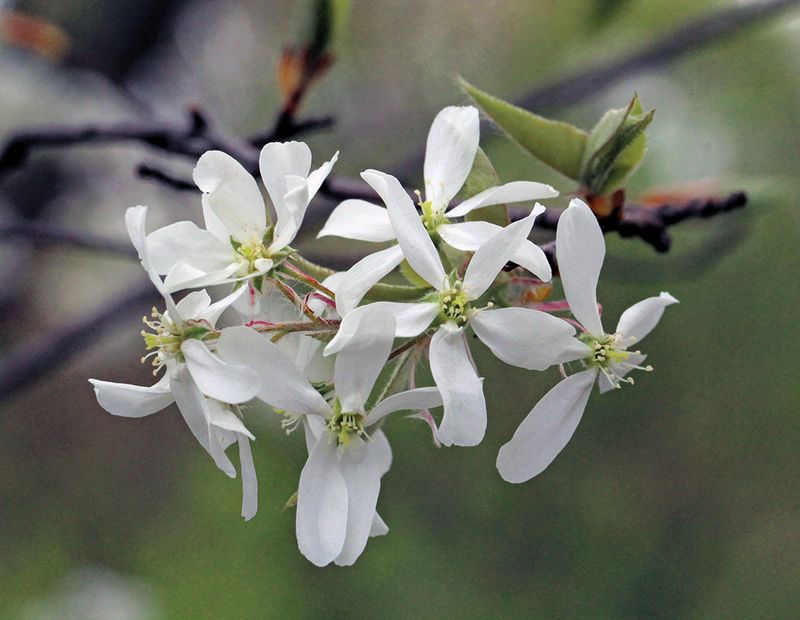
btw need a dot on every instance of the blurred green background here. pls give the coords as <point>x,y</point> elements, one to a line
<point>676,498</point>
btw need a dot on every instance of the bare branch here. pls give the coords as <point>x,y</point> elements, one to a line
<point>45,235</point>
<point>30,362</point>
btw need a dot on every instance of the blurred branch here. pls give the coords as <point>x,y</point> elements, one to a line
<point>45,234</point>
<point>650,223</point>
<point>30,362</point>
<point>682,40</point>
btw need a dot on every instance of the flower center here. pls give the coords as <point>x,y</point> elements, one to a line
<point>345,424</point>
<point>611,356</point>
<point>255,253</point>
<point>167,337</point>
<point>431,218</point>
<point>454,304</point>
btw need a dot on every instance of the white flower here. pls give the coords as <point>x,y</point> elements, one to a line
<point>238,243</point>
<point>348,453</point>
<point>551,423</point>
<point>451,147</point>
<point>519,336</point>
<point>196,379</point>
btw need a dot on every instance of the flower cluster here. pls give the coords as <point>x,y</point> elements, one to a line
<point>336,353</point>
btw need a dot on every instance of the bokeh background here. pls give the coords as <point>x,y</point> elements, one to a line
<point>676,498</point>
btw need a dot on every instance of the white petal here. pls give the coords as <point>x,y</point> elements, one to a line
<point>469,236</point>
<point>277,161</point>
<point>580,250</point>
<point>492,256</point>
<point>195,411</point>
<point>516,191</point>
<point>132,401</point>
<point>464,419</point>
<point>249,479</point>
<point>366,273</point>
<point>232,194</point>
<point>362,358</point>
<point>640,319</point>
<point>523,337</point>
<point>358,219</point>
<point>221,417</point>
<point>318,176</point>
<point>418,248</point>
<point>449,153</point>
<point>546,429</point>
<point>411,319</point>
<point>212,312</point>
<point>379,527</point>
<point>620,370</point>
<point>363,480</point>
<point>193,304</point>
<point>380,450</point>
<point>185,242</point>
<point>226,382</point>
<point>322,501</point>
<point>135,221</point>
<point>411,400</point>
<point>282,384</point>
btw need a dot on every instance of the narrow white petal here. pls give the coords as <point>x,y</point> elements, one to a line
<point>249,479</point>
<point>411,319</point>
<point>277,161</point>
<point>379,527</point>
<point>380,450</point>
<point>322,505</point>
<point>523,337</point>
<point>183,276</point>
<point>363,480</point>
<point>640,319</point>
<point>358,219</point>
<point>362,358</point>
<point>233,195</point>
<point>195,411</point>
<point>132,401</point>
<point>490,258</point>
<point>580,250</point>
<point>221,417</point>
<point>218,379</point>
<point>317,177</point>
<point>464,419</point>
<point>546,429</point>
<point>469,236</point>
<point>449,153</point>
<point>193,304</point>
<point>516,191</point>
<point>282,385</point>
<point>366,273</point>
<point>212,313</point>
<point>186,242</point>
<point>411,400</point>
<point>418,248</point>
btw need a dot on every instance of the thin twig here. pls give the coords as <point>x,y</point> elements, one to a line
<point>30,362</point>
<point>45,235</point>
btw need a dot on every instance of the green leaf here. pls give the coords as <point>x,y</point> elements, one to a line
<point>559,145</point>
<point>615,147</point>
<point>323,22</point>
<point>412,276</point>
<point>482,177</point>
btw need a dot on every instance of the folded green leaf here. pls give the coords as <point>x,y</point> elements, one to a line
<point>615,147</point>
<point>559,145</point>
<point>482,177</point>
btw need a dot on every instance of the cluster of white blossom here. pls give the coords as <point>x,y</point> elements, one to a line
<point>314,350</point>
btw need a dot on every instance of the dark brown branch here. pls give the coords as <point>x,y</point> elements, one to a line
<point>650,223</point>
<point>31,361</point>
<point>287,126</point>
<point>148,171</point>
<point>46,235</point>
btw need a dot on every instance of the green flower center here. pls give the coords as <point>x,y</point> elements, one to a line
<point>454,304</point>
<point>432,218</point>
<point>167,337</point>
<point>345,424</point>
<point>610,356</point>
